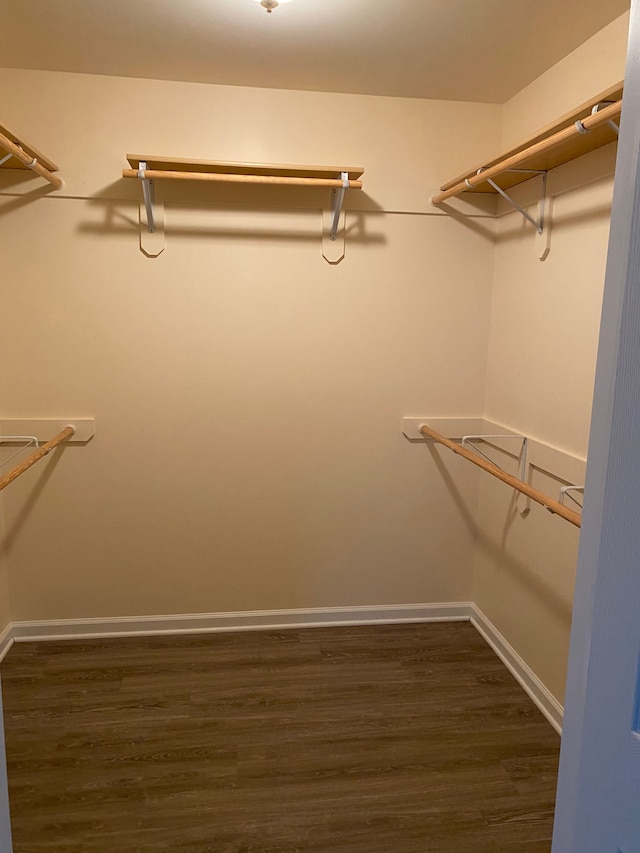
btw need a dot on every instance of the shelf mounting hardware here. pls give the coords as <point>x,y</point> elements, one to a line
<point>467,441</point>
<point>596,109</point>
<point>26,440</point>
<point>148,194</point>
<point>565,489</point>
<point>612,124</point>
<point>522,468</point>
<point>337,200</point>
<point>149,169</point>
<point>537,224</point>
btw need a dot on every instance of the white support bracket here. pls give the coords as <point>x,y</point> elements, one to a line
<point>148,193</point>
<point>333,228</point>
<point>543,239</point>
<point>565,489</point>
<point>24,440</point>
<point>600,106</point>
<point>337,200</point>
<point>467,441</point>
<point>539,223</point>
<point>151,217</point>
<point>522,468</point>
<point>6,159</point>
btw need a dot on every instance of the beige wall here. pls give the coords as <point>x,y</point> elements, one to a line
<point>541,361</point>
<point>5,453</point>
<point>247,395</point>
<point>5,607</point>
<point>593,67</point>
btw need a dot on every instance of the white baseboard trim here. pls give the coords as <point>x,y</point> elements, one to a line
<point>321,617</point>
<point>66,629</point>
<point>524,675</point>
<point>6,641</point>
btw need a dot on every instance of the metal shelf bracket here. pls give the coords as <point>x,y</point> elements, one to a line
<point>333,224</point>
<point>149,196</point>
<point>337,200</point>
<point>539,223</point>
<point>151,216</point>
<point>596,109</point>
<point>521,502</point>
<point>522,467</point>
<point>26,440</point>
<point>565,489</point>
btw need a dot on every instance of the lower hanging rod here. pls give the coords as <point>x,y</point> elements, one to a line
<point>66,433</point>
<point>548,503</point>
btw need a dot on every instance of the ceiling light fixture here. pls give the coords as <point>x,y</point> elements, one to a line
<point>270,5</point>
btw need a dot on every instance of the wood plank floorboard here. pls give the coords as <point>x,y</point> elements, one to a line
<point>375,739</point>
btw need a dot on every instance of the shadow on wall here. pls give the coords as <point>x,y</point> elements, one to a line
<point>115,198</point>
<point>468,516</point>
<point>601,213</point>
<point>498,552</point>
<point>46,470</point>
<point>15,202</point>
<point>523,572</point>
<point>471,222</point>
<point>118,218</point>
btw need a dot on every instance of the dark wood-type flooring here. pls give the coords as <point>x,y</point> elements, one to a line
<point>403,738</point>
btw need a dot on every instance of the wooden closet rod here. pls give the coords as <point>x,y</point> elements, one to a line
<point>594,120</point>
<point>29,161</point>
<point>548,503</point>
<point>152,174</point>
<point>66,433</point>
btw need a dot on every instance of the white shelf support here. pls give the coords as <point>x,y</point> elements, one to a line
<point>612,124</point>
<point>151,217</point>
<point>333,224</point>
<point>566,489</point>
<point>148,194</point>
<point>25,440</point>
<point>522,502</point>
<point>337,200</point>
<point>522,467</point>
<point>539,223</point>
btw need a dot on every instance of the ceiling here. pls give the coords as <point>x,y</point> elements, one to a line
<point>473,50</point>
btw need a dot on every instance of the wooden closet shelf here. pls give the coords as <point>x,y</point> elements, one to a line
<point>552,146</point>
<point>25,156</point>
<point>547,502</point>
<point>257,173</point>
<point>148,168</point>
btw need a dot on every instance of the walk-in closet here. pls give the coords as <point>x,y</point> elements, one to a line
<point>300,324</point>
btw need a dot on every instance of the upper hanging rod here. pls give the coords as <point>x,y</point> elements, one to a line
<point>545,501</point>
<point>28,160</point>
<point>66,433</point>
<point>603,116</point>
<point>153,174</point>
